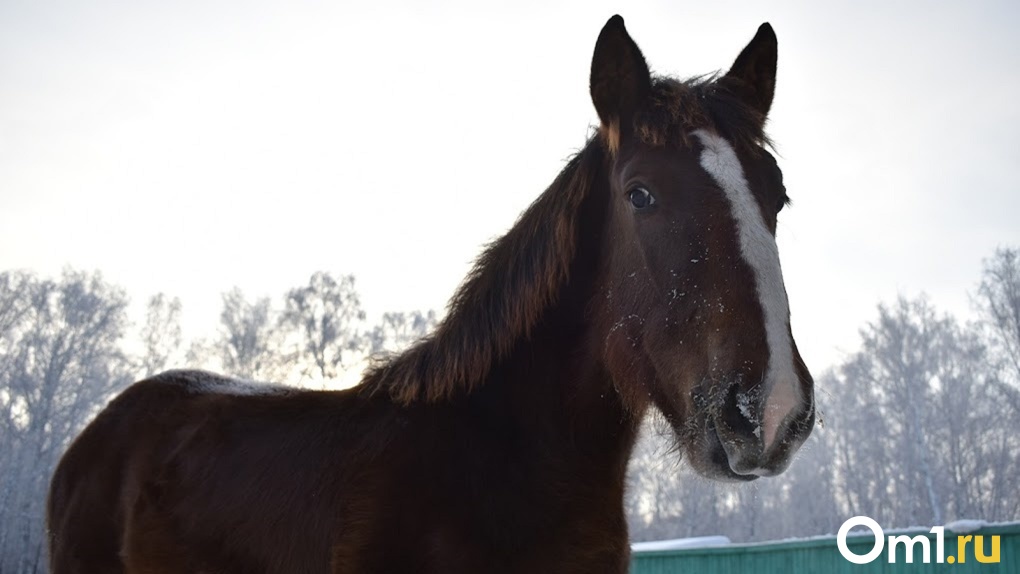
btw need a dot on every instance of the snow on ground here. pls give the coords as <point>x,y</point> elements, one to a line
<point>964,526</point>
<point>681,543</point>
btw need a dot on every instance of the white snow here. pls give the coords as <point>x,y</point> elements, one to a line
<point>198,381</point>
<point>744,404</point>
<point>681,543</point>
<point>965,525</point>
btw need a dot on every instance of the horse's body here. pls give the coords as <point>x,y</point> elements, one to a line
<point>190,478</point>
<point>500,443</point>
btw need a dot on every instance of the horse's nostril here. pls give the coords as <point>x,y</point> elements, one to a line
<point>740,415</point>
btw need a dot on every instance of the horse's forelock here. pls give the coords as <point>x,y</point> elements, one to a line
<point>676,109</point>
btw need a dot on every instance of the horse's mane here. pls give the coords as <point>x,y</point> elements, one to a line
<point>515,280</point>
<point>520,276</point>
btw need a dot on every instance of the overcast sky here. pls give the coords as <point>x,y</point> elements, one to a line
<point>188,147</point>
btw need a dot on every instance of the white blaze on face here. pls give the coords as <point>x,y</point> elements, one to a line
<point>758,248</point>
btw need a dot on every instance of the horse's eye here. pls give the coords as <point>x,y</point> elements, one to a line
<point>641,198</point>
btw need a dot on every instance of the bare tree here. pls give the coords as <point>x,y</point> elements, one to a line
<point>998,304</point>
<point>398,330</point>
<point>161,334</point>
<point>15,301</point>
<point>17,298</point>
<point>250,344</point>
<point>62,361</point>
<point>901,355</point>
<point>921,432</point>
<point>653,474</point>
<point>327,318</point>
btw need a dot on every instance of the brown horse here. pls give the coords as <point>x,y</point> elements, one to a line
<point>647,275</point>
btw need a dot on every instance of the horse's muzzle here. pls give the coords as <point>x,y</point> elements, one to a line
<point>738,424</point>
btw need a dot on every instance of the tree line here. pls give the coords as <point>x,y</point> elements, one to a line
<point>918,427</point>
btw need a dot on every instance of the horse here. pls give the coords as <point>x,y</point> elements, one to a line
<point>646,276</point>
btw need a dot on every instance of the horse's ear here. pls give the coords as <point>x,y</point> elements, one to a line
<point>753,75</point>
<point>620,80</point>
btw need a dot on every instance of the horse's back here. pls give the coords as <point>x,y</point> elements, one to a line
<point>102,492</point>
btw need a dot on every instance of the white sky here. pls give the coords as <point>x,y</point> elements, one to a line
<point>188,147</point>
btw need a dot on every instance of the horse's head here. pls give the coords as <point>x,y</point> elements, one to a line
<point>697,314</point>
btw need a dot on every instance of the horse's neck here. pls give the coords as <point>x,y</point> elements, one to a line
<point>555,387</point>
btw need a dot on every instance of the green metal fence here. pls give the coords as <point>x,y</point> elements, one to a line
<point>821,556</point>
